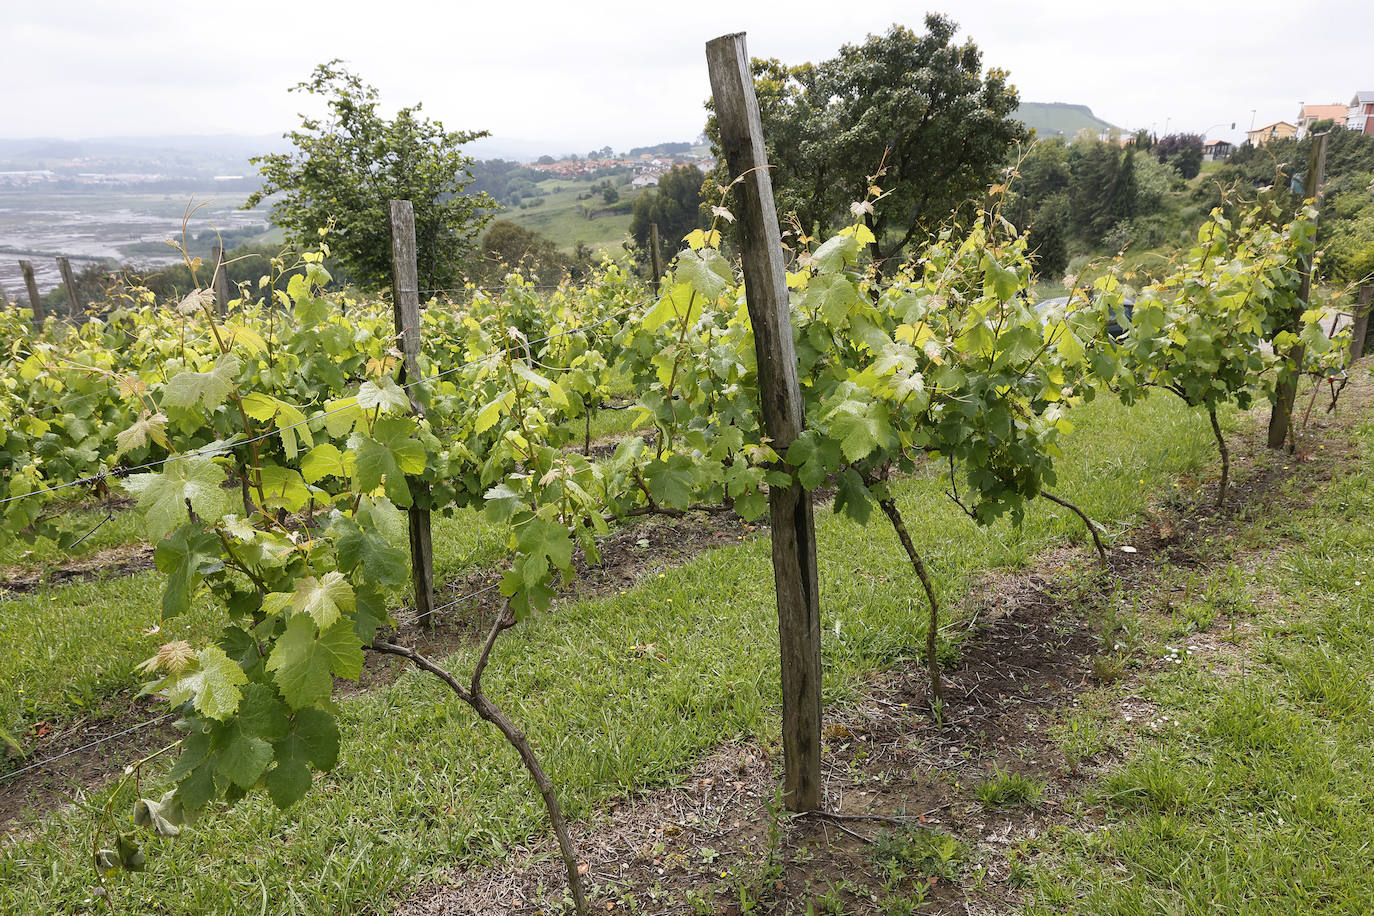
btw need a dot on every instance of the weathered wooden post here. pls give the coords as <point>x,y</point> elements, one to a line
<point>35,300</point>
<point>68,278</point>
<point>1281,416</point>
<point>5,299</point>
<point>405,300</point>
<point>1361,329</point>
<point>220,281</point>
<point>655,257</point>
<point>793,521</point>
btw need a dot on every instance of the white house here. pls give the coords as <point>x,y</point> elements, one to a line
<point>1361,116</point>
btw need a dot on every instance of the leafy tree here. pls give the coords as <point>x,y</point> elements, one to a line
<point>349,163</point>
<point>675,206</point>
<point>916,106</point>
<point>1183,152</point>
<point>508,246</point>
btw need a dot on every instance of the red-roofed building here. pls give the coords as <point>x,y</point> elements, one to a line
<point>1311,114</point>
<point>1217,149</point>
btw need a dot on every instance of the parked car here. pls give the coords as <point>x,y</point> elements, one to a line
<point>1114,327</point>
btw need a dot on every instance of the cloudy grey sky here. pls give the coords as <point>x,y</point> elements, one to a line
<point>574,75</point>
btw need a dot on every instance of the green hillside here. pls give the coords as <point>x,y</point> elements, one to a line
<point>1059,118</point>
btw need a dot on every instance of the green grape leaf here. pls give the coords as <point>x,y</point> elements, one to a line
<point>324,460</point>
<point>162,497</point>
<point>856,429</point>
<point>283,488</point>
<point>314,739</point>
<point>837,250</point>
<point>288,781</point>
<point>262,713</point>
<point>303,664</point>
<point>240,757</point>
<point>680,304</point>
<point>670,482</point>
<point>833,295</point>
<point>706,271</point>
<point>323,599</point>
<point>543,542</point>
<point>390,453</point>
<point>207,389</point>
<point>488,416</point>
<point>380,561</point>
<point>149,426</point>
<point>383,393</point>
<point>187,556</point>
<point>999,281</point>
<point>213,682</point>
<point>852,497</point>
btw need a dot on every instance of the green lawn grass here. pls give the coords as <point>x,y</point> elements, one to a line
<point>560,216</point>
<point>1252,792</point>
<point>421,784</point>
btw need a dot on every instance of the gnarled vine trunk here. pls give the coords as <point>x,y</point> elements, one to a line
<point>937,691</point>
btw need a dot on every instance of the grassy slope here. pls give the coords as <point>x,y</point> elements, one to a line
<point>420,784</point>
<point>1254,794</point>
<point>561,218</point>
<point>1051,118</point>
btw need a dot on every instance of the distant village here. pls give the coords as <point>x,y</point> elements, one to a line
<point>646,168</point>
<point>1356,116</point>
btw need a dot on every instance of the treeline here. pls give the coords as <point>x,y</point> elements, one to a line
<point>1089,195</point>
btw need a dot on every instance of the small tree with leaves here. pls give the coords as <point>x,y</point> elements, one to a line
<point>349,163</point>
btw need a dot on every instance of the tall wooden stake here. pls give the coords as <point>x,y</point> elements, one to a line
<point>1281,416</point>
<point>655,257</point>
<point>220,282</point>
<point>73,301</point>
<point>35,300</point>
<point>1361,329</point>
<point>794,534</point>
<point>405,300</point>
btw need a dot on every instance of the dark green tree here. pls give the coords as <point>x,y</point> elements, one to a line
<point>917,106</point>
<point>1095,166</point>
<point>675,205</point>
<point>508,247</point>
<point>349,163</point>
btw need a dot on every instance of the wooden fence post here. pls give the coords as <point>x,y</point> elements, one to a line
<point>405,301</point>
<point>1281,416</point>
<point>73,301</point>
<point>1361,329</point>
<point>793,519</point>
<point>35,300</point>
<point>655,257</point>
<point>220,281</point>
<point>5,298</point>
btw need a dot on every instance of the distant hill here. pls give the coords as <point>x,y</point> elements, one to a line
<point>1052,119</point>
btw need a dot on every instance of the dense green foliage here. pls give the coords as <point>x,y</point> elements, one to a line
<point>349,163</point>
<point>915,108</point>
<point>1085,195</point>
<point>298,406</point>
<point>1345,231</point>
<point>674,205</point>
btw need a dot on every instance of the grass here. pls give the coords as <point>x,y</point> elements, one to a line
<point>561,217</point>
<point>1251,789</point>
<point>421,785</point>
<point>1007,788</point>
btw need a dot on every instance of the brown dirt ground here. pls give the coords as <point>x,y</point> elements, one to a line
<point>121,560</point>
<point>716,843</point>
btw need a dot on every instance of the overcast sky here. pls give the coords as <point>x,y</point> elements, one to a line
<point>574,76</point>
